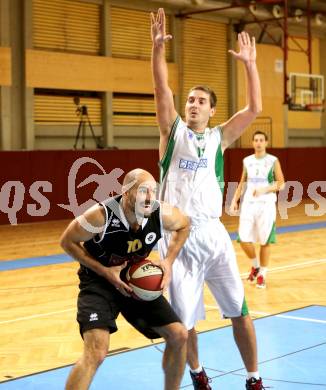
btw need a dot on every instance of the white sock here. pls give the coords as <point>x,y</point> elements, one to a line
<point>253,375</point>
<point>263,271</point>
<point>197,370</point>
<point>255,262</point>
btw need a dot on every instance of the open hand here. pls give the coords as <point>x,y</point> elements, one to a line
<point>159,36</point>
<point>247,48</point>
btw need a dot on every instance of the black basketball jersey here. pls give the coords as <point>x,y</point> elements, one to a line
<point>119,242</point>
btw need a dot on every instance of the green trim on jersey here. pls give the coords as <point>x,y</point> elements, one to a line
<point>166,160</point>
<point>200,149</point>
<point>219,168</point>
<point>271,177</point>
<point>244,310</point>
<point>272,235</point>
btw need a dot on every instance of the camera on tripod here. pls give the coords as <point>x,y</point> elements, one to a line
<point>82,112</point>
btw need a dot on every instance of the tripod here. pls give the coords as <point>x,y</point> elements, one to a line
<point>81,132</point>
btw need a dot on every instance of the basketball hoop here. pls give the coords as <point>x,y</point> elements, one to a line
<point>315,107</point>
<point>306,92</point>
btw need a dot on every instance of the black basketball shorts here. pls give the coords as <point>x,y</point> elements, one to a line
<point>99,304</point>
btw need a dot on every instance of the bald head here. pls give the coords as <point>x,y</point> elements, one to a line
<point>139,193</point>
<point>136,177</point>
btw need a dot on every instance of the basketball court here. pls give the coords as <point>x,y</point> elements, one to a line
<point>287,360</point>
<point>77,112</point>
<point>41,340</point>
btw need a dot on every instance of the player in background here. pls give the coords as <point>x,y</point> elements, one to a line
<point>119,231</point>
<point>261,178</point>
<point>191,159</point>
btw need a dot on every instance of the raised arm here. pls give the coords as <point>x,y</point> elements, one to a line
<point>165,110</point>
<point>234,127</point>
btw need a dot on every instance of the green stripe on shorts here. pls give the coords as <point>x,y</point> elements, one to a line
<point>272,235</point>
<point>244,310</point>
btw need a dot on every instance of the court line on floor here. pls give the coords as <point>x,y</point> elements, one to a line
<point>291,266</point>
<point>8,265</point>
<point>300,318</point>
<point>263,314</point>
<point>275,269</point>
<point>222,373</point>
<point>288,317</point>
<point>236,371</point>
<point>36,316</point>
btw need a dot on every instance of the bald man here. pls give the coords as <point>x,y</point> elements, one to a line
<point>105,240</point>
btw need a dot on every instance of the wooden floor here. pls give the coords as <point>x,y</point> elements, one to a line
<point>37,305</point>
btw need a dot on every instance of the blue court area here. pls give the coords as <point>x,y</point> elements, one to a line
<point>63,258</point>
<point>292,355</point>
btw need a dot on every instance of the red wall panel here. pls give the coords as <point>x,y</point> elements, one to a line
<point>302,164</point>
<point>54,167</point>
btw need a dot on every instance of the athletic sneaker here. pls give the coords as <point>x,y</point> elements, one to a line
<point>201,381</point>
<point>254,384</point>
<point>253,274</point>
<point>260,282</point>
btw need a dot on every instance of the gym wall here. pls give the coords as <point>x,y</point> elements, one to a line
<point>34,183</point>
<point>99,50</point>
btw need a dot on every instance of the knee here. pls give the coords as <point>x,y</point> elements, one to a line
<point>95,357</point>
<point>241,322</point>
<point>95,354</point>
<point>178,337</point>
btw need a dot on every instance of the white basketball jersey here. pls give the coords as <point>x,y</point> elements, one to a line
<point>260,173</point>
<point>192,171</point>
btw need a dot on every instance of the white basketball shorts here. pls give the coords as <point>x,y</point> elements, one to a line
<point>207,256</point>
<point>257,222</point>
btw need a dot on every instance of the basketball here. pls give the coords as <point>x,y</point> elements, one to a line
<point>145,279</point>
